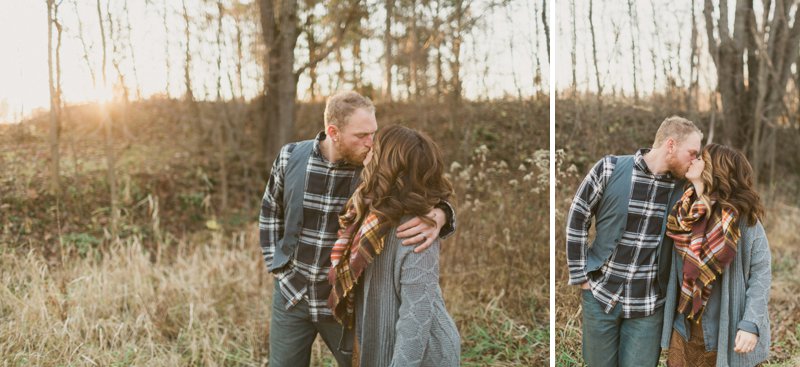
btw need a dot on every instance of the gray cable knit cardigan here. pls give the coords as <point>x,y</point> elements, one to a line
<point>401,319</point>
<point>745,294</point>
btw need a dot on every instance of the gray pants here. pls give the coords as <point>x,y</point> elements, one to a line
<point>292,334</point>
<point>611,341</point>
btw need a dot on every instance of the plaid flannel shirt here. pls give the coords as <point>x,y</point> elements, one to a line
<point>630,275</point>
<point>305,277</point>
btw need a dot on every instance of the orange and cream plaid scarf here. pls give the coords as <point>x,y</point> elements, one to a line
<point>706,242</point>
<point>357,247</point>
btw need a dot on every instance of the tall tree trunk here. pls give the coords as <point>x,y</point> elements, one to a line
<point>437,25</point>
<point>691,100</point>
<point>634,52</point>
<point>455,64</point>
<point>657,37</point>
<point>414,58</point>
<point>239,57</point>
<point>594,53</point>
<point>111,176</point>
<point>116,60</point>
<point>341,77</point>
<point>358,65</point>
<point>387,52</point>
<point>573,54</point>
<point>219,138</point>
<point>85,47</point>
<point>535,55</point>
<point>280,32</point>
<point>546,27</point>
<point>167,62</point>
<point>187,65</point>
<point>129,29</point>
<point>55,158</point>
<point>280,36</point>
<point>312,50</point>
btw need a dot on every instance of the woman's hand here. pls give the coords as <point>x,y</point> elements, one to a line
<point>745,342</point>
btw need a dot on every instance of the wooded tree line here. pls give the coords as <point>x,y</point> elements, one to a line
<point>293,48</point>
<point>737,59</point>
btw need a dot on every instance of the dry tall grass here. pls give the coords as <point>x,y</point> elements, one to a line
<point>184,283</point>
<point>208,306</point>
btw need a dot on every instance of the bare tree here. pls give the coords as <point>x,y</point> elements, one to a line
<point>655,45</point>
<point>81,37</point>
<point>634,51</point>
<point>437,38</point>
<point>594,52</point>
<point>752,102</point>
<point>413,41</point>
<point>461,24</point>
<point>280,29</point>
<point>55,98</point>
<point>534,50</point>
<point>574,53</point>
<point>694,60</point>
<point>313,45</point>
<point>167,62</point>
<point>219,131</point>
<point>129,31</point>
<point>109,138</point>
<point>546,26</point>
<point>187,64</point>
<point>388,61</point>
<point>237,13</point>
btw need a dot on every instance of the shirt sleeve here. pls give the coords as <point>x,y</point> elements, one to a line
<point>449,226</point>
<point>579,219</point>
<point>748,326</point>
<point>271,220</point>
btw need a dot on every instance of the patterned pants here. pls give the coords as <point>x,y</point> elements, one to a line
<point>691,353</point>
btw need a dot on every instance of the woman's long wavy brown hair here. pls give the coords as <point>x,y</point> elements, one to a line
<point>729,175</point>
<point>404,177</point>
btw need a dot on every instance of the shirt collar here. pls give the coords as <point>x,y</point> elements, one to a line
<point>641,164</point>
<point>317,151</point>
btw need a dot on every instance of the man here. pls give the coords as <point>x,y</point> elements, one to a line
<point>310,183</point>
<point>623,276</point>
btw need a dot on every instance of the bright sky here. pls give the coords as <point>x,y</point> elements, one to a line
<point>23,46</point>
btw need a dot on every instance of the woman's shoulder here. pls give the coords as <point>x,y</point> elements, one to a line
<point>753,236</point>
<point>752,230</point>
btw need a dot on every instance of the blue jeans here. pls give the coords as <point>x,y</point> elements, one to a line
<point>292,334</point>
<point>611,341</point>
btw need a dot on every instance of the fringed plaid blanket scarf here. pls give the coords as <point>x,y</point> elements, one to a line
<point>358,245</point>
<point>706,238</point>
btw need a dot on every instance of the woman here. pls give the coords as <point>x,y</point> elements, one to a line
<point>386,295</point>
<point>719,288</point>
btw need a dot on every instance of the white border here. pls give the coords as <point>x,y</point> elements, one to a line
<point>552,21</point>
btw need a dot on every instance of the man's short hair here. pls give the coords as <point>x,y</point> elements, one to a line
<point>675,127</point>
<point>341,105</point>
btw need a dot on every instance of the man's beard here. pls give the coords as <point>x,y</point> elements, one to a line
<point>674,167</point>
<point>349,155</point>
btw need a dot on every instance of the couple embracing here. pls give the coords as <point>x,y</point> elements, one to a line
<point>680,260</point>
<point>349,227</point>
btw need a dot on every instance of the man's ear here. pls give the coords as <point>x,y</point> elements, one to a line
<point>332,131</point>
<point>670,145</point>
